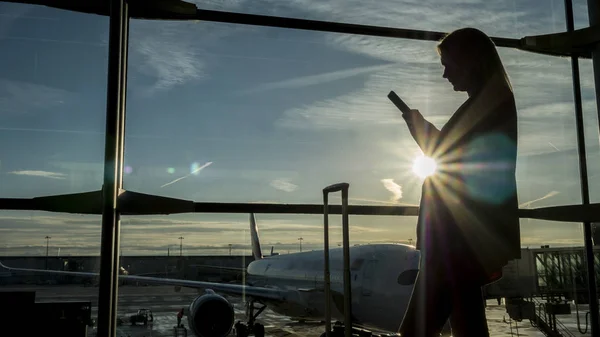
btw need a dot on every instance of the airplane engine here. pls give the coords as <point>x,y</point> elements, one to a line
<point>211,315</point>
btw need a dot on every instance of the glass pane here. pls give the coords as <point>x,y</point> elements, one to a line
<point>52,241</point>
<point>580,14</point>
<point>213,248</point>
<point>178,247</point>
<point>253,118</point>
<point>590,118</point>
<point>52,94</point>
<point>498,18</point>
<point>548,168</point>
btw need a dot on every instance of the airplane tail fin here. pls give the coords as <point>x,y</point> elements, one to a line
<point>254,238</point>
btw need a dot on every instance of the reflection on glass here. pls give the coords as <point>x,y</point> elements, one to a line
<point>52,94</point>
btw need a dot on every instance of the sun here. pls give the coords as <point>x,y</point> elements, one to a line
<point>424,166</point>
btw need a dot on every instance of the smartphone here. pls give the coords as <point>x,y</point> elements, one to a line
<point>398,102</point>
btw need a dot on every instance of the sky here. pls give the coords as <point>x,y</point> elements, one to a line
<point>233,113</point>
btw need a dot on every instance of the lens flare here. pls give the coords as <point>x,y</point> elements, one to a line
<point>194,168</point>
<point>424,166</point>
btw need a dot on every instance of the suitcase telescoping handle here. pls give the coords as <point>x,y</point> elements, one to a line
<point>343,187</point>
<point>336,188</point>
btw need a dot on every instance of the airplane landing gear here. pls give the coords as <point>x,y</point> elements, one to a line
<point>252,327</point>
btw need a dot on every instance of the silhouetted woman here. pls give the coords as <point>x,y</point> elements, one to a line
<point>468,226</point>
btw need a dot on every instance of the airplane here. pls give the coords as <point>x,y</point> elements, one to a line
<point>382,279</point>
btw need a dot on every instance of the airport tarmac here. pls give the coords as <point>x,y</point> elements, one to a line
<point>165,302</point>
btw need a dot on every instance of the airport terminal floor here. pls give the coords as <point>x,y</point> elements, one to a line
<point>265,168</point>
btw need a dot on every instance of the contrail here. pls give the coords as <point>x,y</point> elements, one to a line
<point>528,203</point>
<point>194,171</point>
<point>549,143</point>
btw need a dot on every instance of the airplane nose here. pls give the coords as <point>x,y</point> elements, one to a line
<point>411,270</point>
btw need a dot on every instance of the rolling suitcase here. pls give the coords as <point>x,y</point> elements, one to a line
<point>343,188</point>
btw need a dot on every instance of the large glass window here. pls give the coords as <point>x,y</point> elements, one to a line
<point>247,114</point>
<point>52,120</point>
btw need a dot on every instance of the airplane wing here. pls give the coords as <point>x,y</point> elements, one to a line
<point>206,266</point>
<point>234,289</point>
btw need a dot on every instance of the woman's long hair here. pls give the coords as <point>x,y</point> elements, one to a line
<point>472,48</point>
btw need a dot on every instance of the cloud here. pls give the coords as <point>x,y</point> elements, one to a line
<point>23,232</point>
<point>366,106</point>
<point>17,97</point>
<point>219,4</point>
<point>43,174</point>
<point>80,234</point>
<point>10,14</point>
<point>174,53</point>
<point>367,201</point>
<point>416,74</point>
<point>393,187</point>
<point>169,60</point>
<point>305,81</point>
<point>283,185</point>
<point>545,115</point>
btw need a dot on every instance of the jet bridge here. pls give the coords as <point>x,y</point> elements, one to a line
<point>561,272</point>
<point>541,286</point>
<point>549,273</point>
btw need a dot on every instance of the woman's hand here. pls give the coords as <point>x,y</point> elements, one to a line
<point>413,118</point>
<point>422,131</point>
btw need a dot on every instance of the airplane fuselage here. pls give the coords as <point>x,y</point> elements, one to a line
<point>378,300</point>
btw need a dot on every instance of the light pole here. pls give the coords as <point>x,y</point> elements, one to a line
<point>47,245</point>
<point>300,239</point>
<point>230,249</point>
<point>181,246</point>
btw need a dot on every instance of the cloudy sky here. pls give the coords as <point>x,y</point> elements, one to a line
<point>231,113</point>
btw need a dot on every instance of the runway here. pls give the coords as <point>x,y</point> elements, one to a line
<point>165,303</point>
